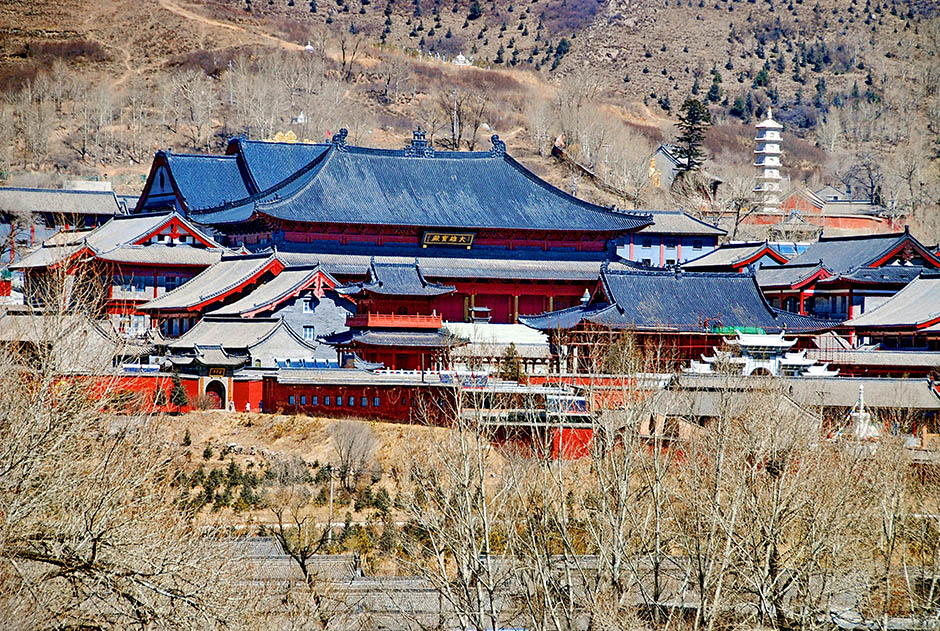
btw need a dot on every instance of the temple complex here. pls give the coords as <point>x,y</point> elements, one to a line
<point>508,242</point>
<point>842,277</point>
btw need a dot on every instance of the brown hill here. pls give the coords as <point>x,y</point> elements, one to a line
<point>852,80</point>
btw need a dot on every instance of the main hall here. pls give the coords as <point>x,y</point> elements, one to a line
<point>509,243</point>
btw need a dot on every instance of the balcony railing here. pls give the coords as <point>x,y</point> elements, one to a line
<point>394,320</point>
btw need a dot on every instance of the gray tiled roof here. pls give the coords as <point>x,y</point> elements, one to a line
<point>289,281</point>
<point>351,376</point>
<point>440,189</point>
<point>491,340</point>
<point>58,201</point>
<point>667,300</point>
<point>209,356</point>
<point>205,180</point>
<point>44,256</point>
<point>396,279</point>
<point>785,275</point>
<point>228,273</point>
<point>726,256</point>
<point>458,267</point>
<point>678,222</point>
<point>879,393</point>
<point>880,357</point>
<point>230,333</point>
<point>917,304</point>
<point>842,254</point>
<point>884,275</point>
<point>830,391</point>
<point>114,237</point>
<point>796,322</point>
<point>163,254</point>
<point>427,339</point>
<point>697,404</point>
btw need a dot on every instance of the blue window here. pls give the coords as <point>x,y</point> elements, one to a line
<point>375,402</point>
<point>290,399</point>
<point>647,242</point>
<point>313,400</point>
<point>303,399</point>
<point>326,400</point>
<point>339,401</point>
<point>352,402</point>
<point>365,402</point>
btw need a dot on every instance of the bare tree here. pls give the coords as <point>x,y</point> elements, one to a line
<point>459,505</point>
<point>736,196</point>
<point>33,122</point>
<point>354,443</point>
<point>197,93</point>
<point>91,535</point>
<point>539,123</point>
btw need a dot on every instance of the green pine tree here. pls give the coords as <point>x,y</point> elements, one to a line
<point>694,119</point>
<point>178,397</point>
<point>475,11</point>
<point>510,365</point>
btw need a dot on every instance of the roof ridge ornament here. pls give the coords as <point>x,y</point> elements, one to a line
<point>499,147</point>
<point>339,139</point>
<point>419,147</point>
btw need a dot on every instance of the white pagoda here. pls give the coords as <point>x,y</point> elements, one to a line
<point>767,162</point>
<point>760,354</point>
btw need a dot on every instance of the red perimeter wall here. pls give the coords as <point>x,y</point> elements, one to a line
<point>146,385</point>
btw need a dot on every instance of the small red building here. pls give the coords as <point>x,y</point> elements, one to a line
<point>395,323</point>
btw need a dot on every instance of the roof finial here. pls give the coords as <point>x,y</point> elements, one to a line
<point>419,147</point>
<point>339,138</point>
<point>770,112</point>
<point>499,147</point>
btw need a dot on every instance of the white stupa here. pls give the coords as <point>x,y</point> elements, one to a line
<point>767,162</point>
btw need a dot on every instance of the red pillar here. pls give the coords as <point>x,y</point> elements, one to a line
<point>802,303</point>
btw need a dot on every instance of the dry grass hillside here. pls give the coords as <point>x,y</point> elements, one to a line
<point>93,88</point>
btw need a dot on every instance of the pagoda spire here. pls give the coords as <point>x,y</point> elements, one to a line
<point>768,165</point>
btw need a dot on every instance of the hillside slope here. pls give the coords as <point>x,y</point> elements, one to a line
<point>852,80</point>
